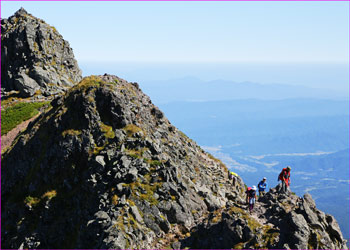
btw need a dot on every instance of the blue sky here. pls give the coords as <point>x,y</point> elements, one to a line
<point>198,31</point>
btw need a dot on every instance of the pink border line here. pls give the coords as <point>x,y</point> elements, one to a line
<point>348,236</point>
<point>176,1</point>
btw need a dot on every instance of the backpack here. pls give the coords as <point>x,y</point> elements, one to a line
<point>284,174</point>
<point>252,193</point>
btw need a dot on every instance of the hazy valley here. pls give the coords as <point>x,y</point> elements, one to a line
<point>257,138</point>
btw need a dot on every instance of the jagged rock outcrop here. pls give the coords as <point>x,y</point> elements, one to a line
<point>35,57</point>
<point>104,168</point>
<point>279,221</point>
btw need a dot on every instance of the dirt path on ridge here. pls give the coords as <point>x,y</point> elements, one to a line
<point>6,140</point>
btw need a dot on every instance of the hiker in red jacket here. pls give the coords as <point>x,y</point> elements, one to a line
<point>285,178</point>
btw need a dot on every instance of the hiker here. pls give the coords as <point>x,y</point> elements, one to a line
<point>285,178</point>
<point>247,195</point>
<point>251,197</point>
<point>233,176</point>
<point>262,186</point>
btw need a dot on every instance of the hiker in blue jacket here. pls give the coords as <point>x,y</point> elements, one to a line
<point>262,186</point>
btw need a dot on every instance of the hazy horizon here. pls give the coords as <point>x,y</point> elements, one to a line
<point>293,43</point>
<point>316,75</point>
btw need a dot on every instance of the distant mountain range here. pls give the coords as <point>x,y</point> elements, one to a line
<point>196,90</point>
<point>265,126</point>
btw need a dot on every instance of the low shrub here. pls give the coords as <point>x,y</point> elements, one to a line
<point>115,199</point>
<point>107,130</point>
<point>18,113</point>
<point>49,194</point>
<point>31,201</point>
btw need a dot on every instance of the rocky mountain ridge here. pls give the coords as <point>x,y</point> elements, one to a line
<point>104,168</point>
<point>108,143</point>
<point>34,57</point>
<point>110,171</point>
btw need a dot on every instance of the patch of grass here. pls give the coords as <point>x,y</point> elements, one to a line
<point>152,163</point>
<point>155,163</point>
<point>124,88</point>
<point>270,236</point>
<point>90,99</point>
<point>216,216</point>
<point>127,243</point>
<point>222,165</point>
<point>137,154</point>
<point>119,223</point>
<point>38,92</point>
<point>49,194</point>
<point>131,203</point>
<point>216,219</point>
<point>107,130</point>
<point>95,150</point>
<point>17,114</point>
<point>149,189</point>
<point>11,100</point>
<point>71,132</point>
<point>115,199</point>
<point>148,196</point>
<point>162,217</point>
<point>31,201</point>
<point>184,135</point>
<point>54,29</point>
<point>131,129</point>
<point>239,245</point>
<point>252,223</point>
<point>90,81</point>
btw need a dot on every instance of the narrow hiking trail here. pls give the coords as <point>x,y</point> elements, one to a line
<point>7,139</point>
<point>259,213</point>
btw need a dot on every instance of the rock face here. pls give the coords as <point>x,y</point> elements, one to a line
<point>104,168</point>
<point>35,57</point>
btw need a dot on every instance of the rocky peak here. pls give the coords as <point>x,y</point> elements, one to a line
<point>34,57</point>
<point>21,12</point>
<point>104,168</point>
